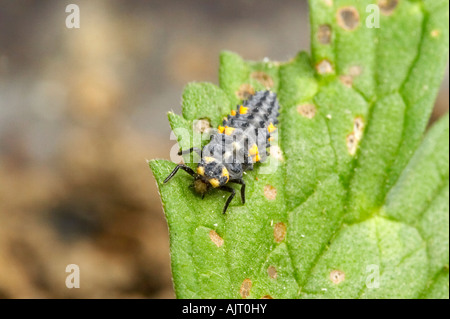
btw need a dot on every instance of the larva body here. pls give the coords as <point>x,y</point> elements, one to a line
<point>241,141</point>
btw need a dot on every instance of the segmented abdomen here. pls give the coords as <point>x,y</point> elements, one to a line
<point>244,135</point>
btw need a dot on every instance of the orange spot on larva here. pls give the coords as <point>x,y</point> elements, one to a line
<point>229,130</point>
<point>271,128</point>
<point>253,150</point>
<point>243,109</point>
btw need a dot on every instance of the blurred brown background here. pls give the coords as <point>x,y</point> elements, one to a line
<point>80,112</point>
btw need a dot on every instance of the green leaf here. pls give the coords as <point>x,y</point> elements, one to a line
<point>205,100</point>
<point>355,202</point>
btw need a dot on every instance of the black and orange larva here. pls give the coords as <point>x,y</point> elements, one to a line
<point>241,141</point>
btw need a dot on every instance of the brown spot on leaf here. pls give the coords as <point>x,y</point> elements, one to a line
<point>245,288</point>
<point>272,272</point>
<point>267,297</point>
<point>354,70</point>
<point>263,78</point>
<point>324,34</point>
<point>307,110</point>
<point>352,143</point>
<point>354,137</point>
<point>358,127</point>
<point>347,80</point>
<point>216,239</point>
<point>324,67</point>
<point>202,126</point>
<point>337,276</point>
<point>348,18</point>
<point>276,152</point>
<point>245,91</point>
<point>270,192</point>
<point>435,33</point>
<point>279,232</point>
<point>387,6</point>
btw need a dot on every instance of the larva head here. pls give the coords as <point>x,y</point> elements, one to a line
<point>212,173</point>
<point>201,186</point>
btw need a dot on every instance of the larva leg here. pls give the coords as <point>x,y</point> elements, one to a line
<point>230,190</point>
<point>240,181</point>
<point>184,168</point>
